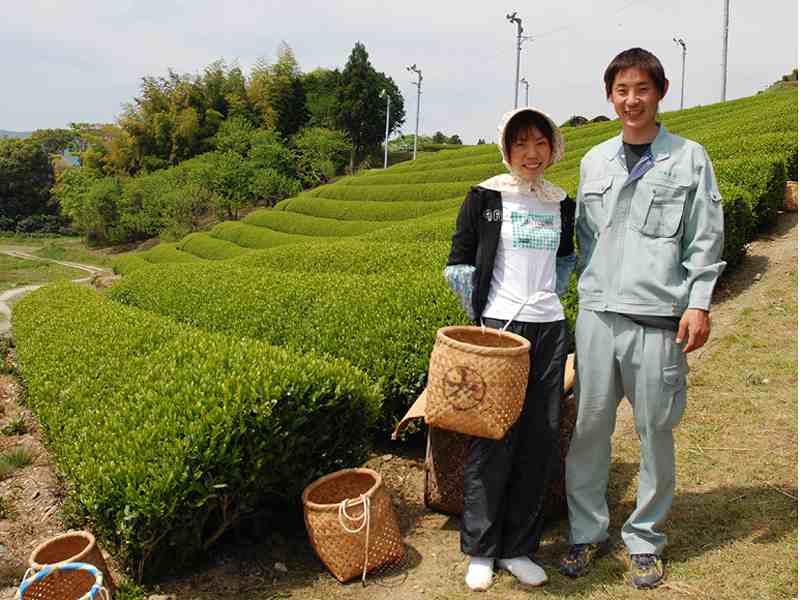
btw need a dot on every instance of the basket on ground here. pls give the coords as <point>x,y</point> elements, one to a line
<point>71,547</point>
<point>63,581</point>
<point>351,523</point>
<point>476,380</point>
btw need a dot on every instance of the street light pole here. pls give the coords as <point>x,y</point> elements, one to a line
<point>417,83</point>
<point>725,47</point>
<point>513,18</point>
<point>386,138</point>
<point>682,44</point>
<point>527,84</point>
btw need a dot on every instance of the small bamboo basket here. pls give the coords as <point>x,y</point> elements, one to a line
<point>71,547</point>
<point>476,380</point>
<point>351,523</point>
<point>63,581</point>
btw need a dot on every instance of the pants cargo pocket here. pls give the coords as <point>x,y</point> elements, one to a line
<point>673,397</point>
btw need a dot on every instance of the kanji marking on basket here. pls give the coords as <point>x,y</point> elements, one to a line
<point>464,387</point>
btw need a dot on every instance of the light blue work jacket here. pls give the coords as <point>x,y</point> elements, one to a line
<point>649,244</point>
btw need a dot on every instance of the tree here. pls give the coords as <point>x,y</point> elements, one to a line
<point>454,139</point>
<point>362,112</point>
<point>481,141</point>
<point>321,154</point>
<point>26,176</point>
<point>575,121</point>
<point>439,138</point>
<point>320,86</point>
<point>600,119</point>
<point>55,141</point>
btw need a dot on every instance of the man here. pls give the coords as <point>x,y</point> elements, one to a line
<point>650,232</point>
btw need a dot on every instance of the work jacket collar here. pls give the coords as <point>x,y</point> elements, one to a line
<point>659,147</point>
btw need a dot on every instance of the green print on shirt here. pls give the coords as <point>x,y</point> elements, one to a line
<point>534,230</point>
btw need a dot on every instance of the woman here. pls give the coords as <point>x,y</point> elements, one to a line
<point>511,232</point>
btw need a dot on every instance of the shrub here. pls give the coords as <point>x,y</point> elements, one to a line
<point>204,246</point>
<point>763,176</point>
<point>321,154</point>
<point>394,192</point>
<point>297,223</point>
<point>250,236</point>
<point>737,205</point>
<point>169,435</point>
<point>384,324</point>
<point>270,186</point>
<point>351,210</point>
<point>351,256</point>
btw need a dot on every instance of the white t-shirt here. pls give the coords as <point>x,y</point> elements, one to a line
<point>525,264</point>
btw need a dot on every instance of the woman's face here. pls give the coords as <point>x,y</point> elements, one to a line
<point>530,154</point>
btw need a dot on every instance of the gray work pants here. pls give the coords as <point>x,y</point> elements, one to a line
<point>615,357</point>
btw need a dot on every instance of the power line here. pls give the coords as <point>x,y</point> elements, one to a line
<point>573,26</point>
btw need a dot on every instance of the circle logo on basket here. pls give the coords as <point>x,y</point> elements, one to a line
<point>464,387</point>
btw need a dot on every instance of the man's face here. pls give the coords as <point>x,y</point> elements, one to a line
<point>635,98</point>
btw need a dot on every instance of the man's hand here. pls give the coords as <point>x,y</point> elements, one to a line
<point>696,323</point>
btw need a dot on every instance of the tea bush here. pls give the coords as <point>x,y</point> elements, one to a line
<point>352,210</point>
<point>384,324</point>
<point>204,246</point>
<point>250,236</point>
<point>300,224</point>
<point>170,435</point>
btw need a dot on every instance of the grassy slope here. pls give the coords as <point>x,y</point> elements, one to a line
<point>434,185</point>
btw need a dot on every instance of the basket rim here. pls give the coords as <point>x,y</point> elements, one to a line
<point>87,535</point>
<point>443,336</point>
<point>325,478</point>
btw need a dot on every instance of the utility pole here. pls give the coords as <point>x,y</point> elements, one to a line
<point>527,85</point>
<point>726,4</point>
<point>417,83</point>
<point>386,138</point>
<point>682,44</point>
<point>513,18</point>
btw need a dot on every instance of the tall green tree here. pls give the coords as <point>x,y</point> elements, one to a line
<point>362,112</point>
<point>321,102</point>
<point>26,176</point>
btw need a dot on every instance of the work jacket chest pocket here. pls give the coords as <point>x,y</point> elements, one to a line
<point>661,210</point>
<point>594,198</point>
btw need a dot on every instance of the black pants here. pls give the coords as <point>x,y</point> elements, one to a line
<point>505,481</point>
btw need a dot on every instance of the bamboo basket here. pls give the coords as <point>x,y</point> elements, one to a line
<point>446,455</point>
<point>476,380</point>
<point>351,523</point>
<point>63,581</point>
<point>71,547</point>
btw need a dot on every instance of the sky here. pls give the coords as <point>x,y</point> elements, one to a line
<point>81,61</point>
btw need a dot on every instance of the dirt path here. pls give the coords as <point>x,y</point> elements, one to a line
<point>267,561</point>
<point>7,297</point>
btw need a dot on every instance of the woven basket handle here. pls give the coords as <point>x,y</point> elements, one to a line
<point>516,314</point>
<point>344,518</point>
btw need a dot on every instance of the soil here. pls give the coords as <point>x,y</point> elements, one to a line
<point>263,563</point>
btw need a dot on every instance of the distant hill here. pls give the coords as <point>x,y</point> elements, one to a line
<point>14,134</point>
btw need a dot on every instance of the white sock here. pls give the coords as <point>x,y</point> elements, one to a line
<point>524,569</point>
<point>479,573</point>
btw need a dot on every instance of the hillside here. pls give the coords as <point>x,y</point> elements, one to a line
<point>14,134</point>
<point>213,370</point>
<point>418,200</point>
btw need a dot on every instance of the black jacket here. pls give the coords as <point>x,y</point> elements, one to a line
<point>478,233</point>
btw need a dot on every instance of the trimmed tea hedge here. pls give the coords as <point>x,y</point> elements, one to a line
<point>351,210</point>
<point>351,256</point>
<point>250,236</point>
<point>392,193</point>
<point>170,435</point>
<point>297,223</point>
<point>204,246</point>
<point>382,324</point>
